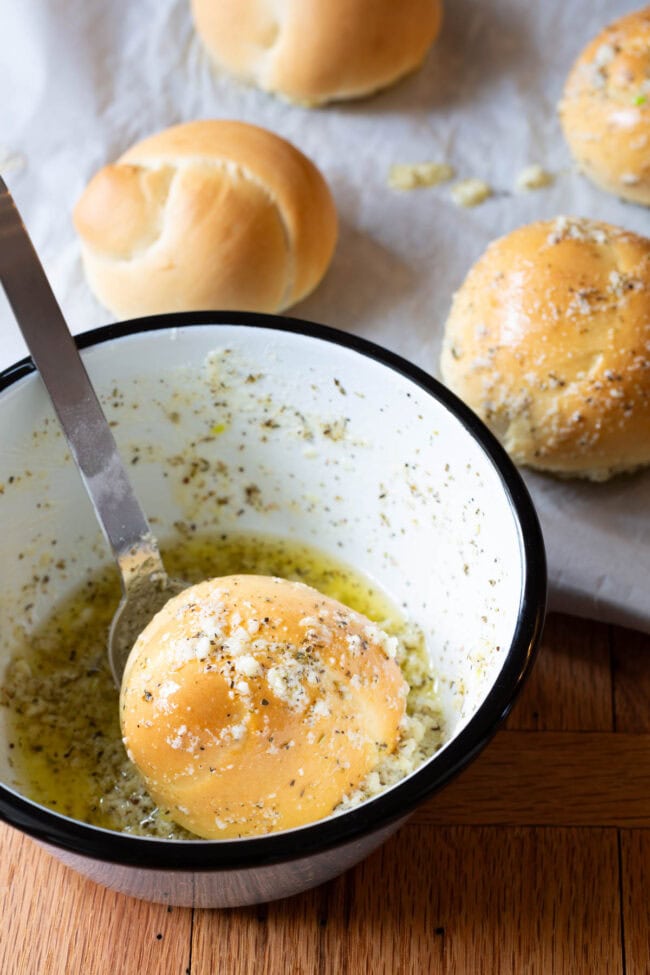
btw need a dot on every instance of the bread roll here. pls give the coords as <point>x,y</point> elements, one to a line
<point>548,340</point>
<point>252,704</point>
<point>605,110</point>
<point>206,215</point>
<point>313,51</point>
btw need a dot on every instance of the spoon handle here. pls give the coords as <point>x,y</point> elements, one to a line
<point>75,402</point>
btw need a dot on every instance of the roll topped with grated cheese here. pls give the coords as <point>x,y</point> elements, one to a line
<point>605,108</point>
<point>252,704</point>
<point>548,340</point>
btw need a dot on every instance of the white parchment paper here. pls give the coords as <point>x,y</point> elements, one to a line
<point>80,82</point>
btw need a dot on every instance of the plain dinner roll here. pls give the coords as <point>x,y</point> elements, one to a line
<point>548,340</point>
<point>212,215</point>
<point>313,51</point>
<point>252,704</point>
<point>605,110</point>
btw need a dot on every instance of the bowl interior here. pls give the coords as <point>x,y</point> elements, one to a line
<point>238,428</point>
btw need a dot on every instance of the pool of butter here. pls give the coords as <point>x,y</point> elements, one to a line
<point>65,743</point>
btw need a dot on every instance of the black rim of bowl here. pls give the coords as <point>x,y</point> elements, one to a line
<point>401,799</point>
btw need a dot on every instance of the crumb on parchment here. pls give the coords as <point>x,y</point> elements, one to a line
<point>470,192</point>
<point>534,177</point>
<point>411,176</point>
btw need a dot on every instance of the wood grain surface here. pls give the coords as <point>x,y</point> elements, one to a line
<point>535,860</point>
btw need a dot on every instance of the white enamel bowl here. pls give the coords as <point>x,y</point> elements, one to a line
<point>354,450</point>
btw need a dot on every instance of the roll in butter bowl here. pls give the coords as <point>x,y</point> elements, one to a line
<point>245,425</point>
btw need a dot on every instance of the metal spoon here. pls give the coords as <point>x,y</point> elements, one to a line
<point>145,584</point>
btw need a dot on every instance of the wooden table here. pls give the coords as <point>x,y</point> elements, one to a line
<point>535,860</point>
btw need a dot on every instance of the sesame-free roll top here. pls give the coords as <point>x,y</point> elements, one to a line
<point>252,704</point>
<point>314,51</point>
<point>207,214</point>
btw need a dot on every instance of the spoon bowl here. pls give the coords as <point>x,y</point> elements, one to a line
<point>138,606</point>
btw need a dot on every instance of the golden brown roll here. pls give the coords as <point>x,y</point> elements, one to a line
<point>605,109</point>
<point>548,340</point>
<point>313,51</point>
<point>252,704</point>
<point>211,214</point>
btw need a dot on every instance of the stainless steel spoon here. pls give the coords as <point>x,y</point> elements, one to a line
<point>145,584</point>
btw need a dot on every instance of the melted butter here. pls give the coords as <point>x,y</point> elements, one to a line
<point>66,749</point>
